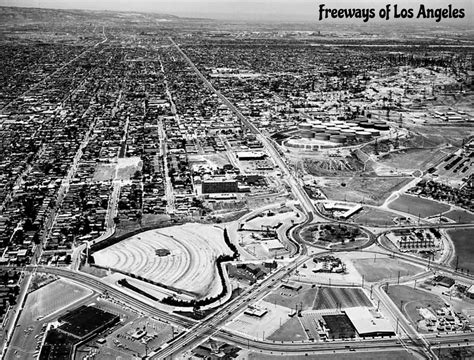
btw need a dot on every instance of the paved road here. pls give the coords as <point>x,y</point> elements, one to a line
<point>211,328</point>
<point>297,190</point>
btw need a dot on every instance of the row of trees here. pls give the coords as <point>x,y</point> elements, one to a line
<point>125,283</point>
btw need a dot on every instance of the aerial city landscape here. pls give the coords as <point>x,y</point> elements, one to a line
<point>180,187</point>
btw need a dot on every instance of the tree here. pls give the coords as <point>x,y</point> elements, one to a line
<point>87,226</point>
<point>36,238</point>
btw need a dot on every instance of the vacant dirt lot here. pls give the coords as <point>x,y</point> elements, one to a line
<point>374,269</point>
<point>369,190</point>
<point>418,206</point>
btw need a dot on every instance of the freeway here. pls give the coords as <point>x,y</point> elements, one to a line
<point>201,331</point>
<point>102,286</point>
<point>198,333</point>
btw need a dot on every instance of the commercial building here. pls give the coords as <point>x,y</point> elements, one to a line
<point>222,186</point>
<point>366,324</point>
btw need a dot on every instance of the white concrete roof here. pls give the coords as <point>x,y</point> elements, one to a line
<point>273,245</point>
<point>366,323</point>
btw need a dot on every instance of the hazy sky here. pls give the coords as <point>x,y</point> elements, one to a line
<point>236,9</point>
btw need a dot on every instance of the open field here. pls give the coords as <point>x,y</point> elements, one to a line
<point>126,167</point>
<point>104,172</point>
<point>463,241</point>
<point>460,216</point>
<point>370,216</point>
<point>464,352</point>
<point>377,355</point>
<point>369,190</point>
<point>413,159</point>
<point>418,206</point>
<point>338,297</point>
<point>291,330</point>
<point>413,299</point>
<point>291,298</point>
<point>189,266</point>
<point>384,268</point>
<point>444,134</point>
<point>212,161</point>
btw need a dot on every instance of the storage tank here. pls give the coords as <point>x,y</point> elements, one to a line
<point>382,127</point>
<point>319,128</point>
<point>321,136</point>
<point>364,135</point>
<point>348,131</point>
<point>333,130</point>
<point>304,126</point>
<point>374,132</point>
<point>366,125</point>
<point>306,134</point>
<point>350,136</point>
<point>339,139</point>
